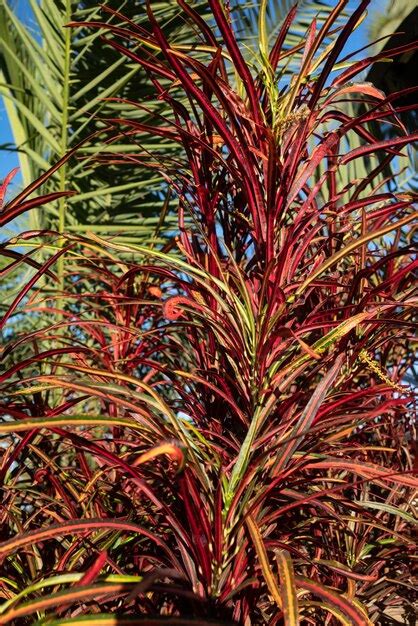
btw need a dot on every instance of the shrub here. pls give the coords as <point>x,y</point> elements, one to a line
<point>213,427</point>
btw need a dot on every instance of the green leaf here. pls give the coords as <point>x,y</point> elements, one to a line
<point>388,508</point>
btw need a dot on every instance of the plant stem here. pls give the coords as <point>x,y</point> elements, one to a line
<point>64,138</point>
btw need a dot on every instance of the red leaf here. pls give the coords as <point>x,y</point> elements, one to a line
<point>93,572</point>
<point>5,184</point>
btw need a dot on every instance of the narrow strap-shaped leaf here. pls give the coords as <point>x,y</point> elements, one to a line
<point>68,596</point>
<point>173,449</point>
<point>320,152</point>
<point>46,354</point>
<point>278,45</point>
<point>11,213</point>
<point>344,570</point>
<point>288,588</point>
<point>336,50</point>
<point>388,508</point>
<point>64,579</point>
<point>104,619</point>
<point>33,423</point>
<point>6,183</point>
<point>355,69</point>
<point>20,259</point>
<point>352,611</point>
<point>262,29</point>
<point>353,245</point>
<point>379,145</point>
<point>74,527</point>
<point>260,549</point>
<point>342,618</point>
<point>234,51</point>
<point>308,415</point>
<point>373,472</point>
<point>40,180</point>
<point>93,571</point>
<point>30,284</point>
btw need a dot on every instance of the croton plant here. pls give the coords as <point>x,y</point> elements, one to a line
<point>215,425</point>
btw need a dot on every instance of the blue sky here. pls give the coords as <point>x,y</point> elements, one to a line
<point>8,160</point>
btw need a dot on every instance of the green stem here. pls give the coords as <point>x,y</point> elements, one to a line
<point>64,137</point>
<point>243,458</point>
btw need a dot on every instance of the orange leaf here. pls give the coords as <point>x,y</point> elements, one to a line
<point>171,449</point>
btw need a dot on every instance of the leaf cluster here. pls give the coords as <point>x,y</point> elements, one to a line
<point>214,428</point>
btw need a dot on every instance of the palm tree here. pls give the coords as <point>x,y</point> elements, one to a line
<point>395,26</point>
<point>60,86</point>
<point>386,19</point>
